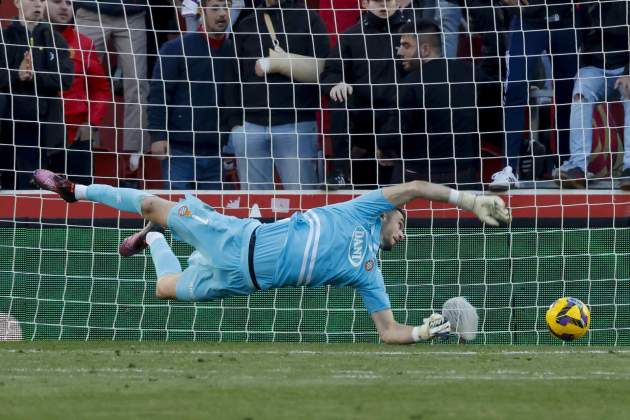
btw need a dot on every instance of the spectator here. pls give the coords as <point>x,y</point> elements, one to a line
<point>281,50</point>
<point>190,13</point>
<point>604,62</point>
<point>121,24</point>
<point>86,102</point>
<point>34,68</point>
<point>537,27</point>
<point>361,79</point>
<point>190,99</point>
<point>448,13</point>
<point>438,117</point>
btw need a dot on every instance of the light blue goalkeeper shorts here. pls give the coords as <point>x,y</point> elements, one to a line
<point>219,266</point>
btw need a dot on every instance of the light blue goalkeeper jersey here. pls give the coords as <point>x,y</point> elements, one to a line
<point>333,245</point>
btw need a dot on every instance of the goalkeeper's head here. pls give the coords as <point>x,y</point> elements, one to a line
<point>392,228</point>
<point>419,42</point>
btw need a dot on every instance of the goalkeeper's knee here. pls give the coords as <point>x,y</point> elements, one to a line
<point>166,286</point>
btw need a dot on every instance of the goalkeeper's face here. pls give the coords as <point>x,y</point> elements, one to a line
<point>216,15</point>
<point>59,11</point>
<point>392,229</point>
<point>30,10</point>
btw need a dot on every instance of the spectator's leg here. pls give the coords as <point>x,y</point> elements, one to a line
<point>208,173</point>
<point>131,45</point>
<point>27,152</point>
<point>295,154</point>
<point>613,76</point>
<point>339,139</point>
<point>7,153</point>
<point>589,87</point>
<point>178,170</point>
<point>524,51</point>
<point>252,148</point>
<point>98,28</point>
<point>90,24</point>
<point>564,67</point>
<point>79,162</point>
<point>7,166</point>
<point>449,16</point>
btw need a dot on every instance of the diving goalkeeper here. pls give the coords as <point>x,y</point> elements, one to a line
<point>334,245</point>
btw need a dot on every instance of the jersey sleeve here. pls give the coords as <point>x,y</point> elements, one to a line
<point>368,206</point>
<point>374,296</point>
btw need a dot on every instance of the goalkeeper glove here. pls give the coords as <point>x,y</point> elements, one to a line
<point>433,326</point>
<point>489,209</point>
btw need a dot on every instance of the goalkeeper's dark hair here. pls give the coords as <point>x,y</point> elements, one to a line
<point>427,31</point>
<point>399,210</point>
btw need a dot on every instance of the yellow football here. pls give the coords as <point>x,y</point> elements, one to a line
<point>568,318</point>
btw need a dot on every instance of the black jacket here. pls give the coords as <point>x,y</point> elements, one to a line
<point>38,99</point>
<point>276,99</point>
<point>541,14</point>
<point>438,122</point>
<point>365,57</point>
<point>605,28</point>
<point>193,94</point>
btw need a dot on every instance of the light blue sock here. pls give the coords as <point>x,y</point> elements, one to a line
<point>163,258</point>
<point>124,199</point>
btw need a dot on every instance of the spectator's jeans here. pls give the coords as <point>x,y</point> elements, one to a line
<point>127,34</point>
<point>594,84</point>
<point>449,15</point>
<point>291,148</point>
<point>526,42</point>
<point>182,171</point>
<point>79,162</point>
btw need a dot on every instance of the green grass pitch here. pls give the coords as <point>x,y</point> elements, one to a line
<point>103,380</point>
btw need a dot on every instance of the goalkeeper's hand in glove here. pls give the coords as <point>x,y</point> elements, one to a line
<point>434,326</point>
<point>489,209</point>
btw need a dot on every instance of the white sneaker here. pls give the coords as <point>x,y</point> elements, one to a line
<point>504,180</point>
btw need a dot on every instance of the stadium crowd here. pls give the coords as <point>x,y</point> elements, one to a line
<point>320,95</point>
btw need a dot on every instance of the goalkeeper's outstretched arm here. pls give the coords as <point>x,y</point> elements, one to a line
<point>391,332</point>
<point>489,209</point>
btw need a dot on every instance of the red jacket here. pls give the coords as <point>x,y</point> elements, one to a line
<point>90,95</point>
<point>339,15</point>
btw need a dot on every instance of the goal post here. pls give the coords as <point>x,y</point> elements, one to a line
<point>62,277</point>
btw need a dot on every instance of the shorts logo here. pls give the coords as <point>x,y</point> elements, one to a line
<point>184,211</point>
<point>369,265</point>
<point>357,247</point>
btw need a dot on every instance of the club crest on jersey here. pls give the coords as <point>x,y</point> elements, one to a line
<point>369,265</point>
<point>184,211</point>
<point>358,246</point>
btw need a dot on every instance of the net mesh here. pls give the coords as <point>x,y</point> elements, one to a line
<point>60,274</point>
<point>63,279</point>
